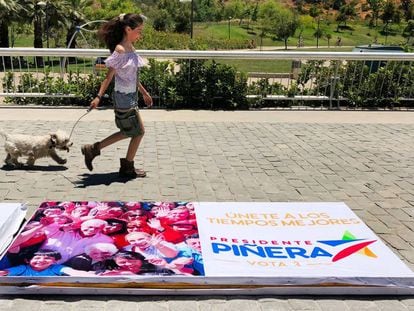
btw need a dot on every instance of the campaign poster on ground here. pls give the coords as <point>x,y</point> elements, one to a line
<point>200,239</point>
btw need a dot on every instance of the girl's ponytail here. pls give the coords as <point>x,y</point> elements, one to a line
<point>112,32</point>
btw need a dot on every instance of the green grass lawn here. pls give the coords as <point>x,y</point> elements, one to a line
<point>220,30</point>
<point>272,66</point>
<point>358,33</point>
<point>24,41</point>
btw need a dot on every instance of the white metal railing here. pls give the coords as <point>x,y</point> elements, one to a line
<point>228,54</point>
<point>17,64</point>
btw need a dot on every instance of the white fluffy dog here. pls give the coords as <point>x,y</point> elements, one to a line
<point>35,147</point>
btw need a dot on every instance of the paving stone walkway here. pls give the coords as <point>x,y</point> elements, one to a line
<point>369,166</point>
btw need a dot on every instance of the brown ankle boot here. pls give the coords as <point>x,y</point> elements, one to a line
<point>128,170</point>
<point>90,152</point>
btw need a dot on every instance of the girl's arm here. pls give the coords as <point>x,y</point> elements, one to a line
<point>145,94</point>
<point>104,85</point>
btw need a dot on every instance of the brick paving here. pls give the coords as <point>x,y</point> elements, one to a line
<point>368,166</point>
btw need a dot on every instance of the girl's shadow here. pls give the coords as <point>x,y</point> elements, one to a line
<point>87,180</point>
<point>49,168</point>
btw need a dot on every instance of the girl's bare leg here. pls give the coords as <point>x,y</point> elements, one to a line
<point>111,139</point>
<point>94,150</point>
<point>135,141</point>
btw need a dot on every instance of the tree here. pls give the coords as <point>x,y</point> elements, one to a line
<point>390,13</point>
<point>236,9</point>
<point>58,15</point>
<point>19,29</point>
<point>346,12</point>
<point>255,11</point>
<point>327,4</point>
<point>305,22</point>
<point>34,14</point>
<point>280,21</point>
<point>300,6</point>
<point>163,21</point>
<point>409,30</point>
<point>251,12</point>
<point>247,12</point>
<point>318,33</point>
<point>8,10</point>
<point>107,9</point>
<point>267,14</point>
<point>314,11</point>
<point>340,18</point>
<point>208,10</point>
<point>182,23</point>
<point>375,7</point>
<point>328,37</point>
<point>44,15</point>
<point>407,6</point>
<point>337,4</point>
<point>285,25</point>
<point>174,15</point>
<point>76,17</point>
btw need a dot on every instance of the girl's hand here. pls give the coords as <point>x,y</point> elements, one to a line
<point>94,103</point>
<point>147,99</point>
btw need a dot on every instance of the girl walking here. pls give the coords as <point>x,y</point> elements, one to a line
<point>124,64</point>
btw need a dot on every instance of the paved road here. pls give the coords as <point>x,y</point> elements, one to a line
<point>365,159</point>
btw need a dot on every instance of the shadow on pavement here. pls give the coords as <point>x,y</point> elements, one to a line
<point>99,179</point>
<point>50,168</point>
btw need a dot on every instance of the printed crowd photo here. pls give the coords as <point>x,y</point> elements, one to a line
<point>107,239</point>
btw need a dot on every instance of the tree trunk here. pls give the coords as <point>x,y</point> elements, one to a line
<point>38,38</point>
<point>4,43</point>
<point>71,32</point>
<point>69,35</point>
<point>4,34</point>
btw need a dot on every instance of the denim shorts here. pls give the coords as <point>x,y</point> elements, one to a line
<point>125,100</point>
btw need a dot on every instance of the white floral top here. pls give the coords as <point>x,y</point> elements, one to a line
<point>127,67</point>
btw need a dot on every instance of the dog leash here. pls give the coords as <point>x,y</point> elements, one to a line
<point>76,123</point>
